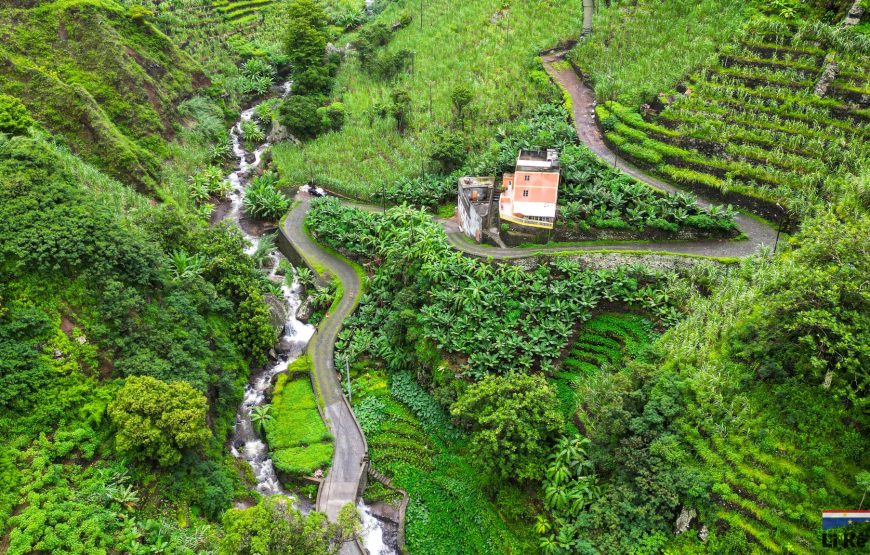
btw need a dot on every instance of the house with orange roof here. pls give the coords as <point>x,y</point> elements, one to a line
<point>531,192</point>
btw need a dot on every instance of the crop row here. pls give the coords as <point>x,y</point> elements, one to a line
<point>759,491</point>
<point>603,343</point>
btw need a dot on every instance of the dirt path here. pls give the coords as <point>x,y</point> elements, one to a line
<point>348,462</point>
<point>583,99</point>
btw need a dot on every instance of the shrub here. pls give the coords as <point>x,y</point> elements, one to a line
<point>332,116</point>
<point>314,81</point>
<point>156,420</point>
<point>263,199</point>
<point>14,117</point>
<point>448,149</point>
<point>299,114</point>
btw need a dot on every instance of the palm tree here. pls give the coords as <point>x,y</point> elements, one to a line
<point>260,416</point>
<point>125,495</point>
<point>186,266</point>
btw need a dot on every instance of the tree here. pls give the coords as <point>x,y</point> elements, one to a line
<point>300,115</point>
<point>259,416</point>
<point>513,419</point>
<point>460,99</point>
<point>306,34</point>
<point>448,149</point>
<point>275,527</point>
<point>14,117</point>
<point>156,420</point>
<point>400,108</point>
<point>313,81</point>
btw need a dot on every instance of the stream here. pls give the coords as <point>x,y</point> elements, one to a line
<point>245,442</point>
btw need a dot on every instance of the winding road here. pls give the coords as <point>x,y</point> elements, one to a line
<point>351,450</point>
<point>756,232</point>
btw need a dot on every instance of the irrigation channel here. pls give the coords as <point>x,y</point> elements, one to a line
<point>245,442</point>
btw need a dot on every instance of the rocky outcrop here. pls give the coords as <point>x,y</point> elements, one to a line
<point>684,520</point>
<point>277,313</point>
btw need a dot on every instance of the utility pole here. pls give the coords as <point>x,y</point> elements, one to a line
<point>347,372</point>
<point>421,15</point>
<point>778,227</point>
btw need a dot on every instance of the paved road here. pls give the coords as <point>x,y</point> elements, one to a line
<point>583,100</point>
<point>348,463</point>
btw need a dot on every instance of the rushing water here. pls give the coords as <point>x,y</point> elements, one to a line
<point>246,443</point>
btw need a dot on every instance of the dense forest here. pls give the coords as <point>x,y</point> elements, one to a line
<point>173,346</point>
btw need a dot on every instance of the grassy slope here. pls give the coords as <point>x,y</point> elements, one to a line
<point>298,438</point>
<point>106,82</point>
<point>638,49</point>
<point>459,44</point>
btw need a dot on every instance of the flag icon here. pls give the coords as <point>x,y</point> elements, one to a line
<point>836,519</point>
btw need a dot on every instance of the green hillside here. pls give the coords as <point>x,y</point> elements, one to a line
<point>598,396</point>
<point>100,76</point>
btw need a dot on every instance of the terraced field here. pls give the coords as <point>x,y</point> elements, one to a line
<point>765,490</point>
<point>240,11</point>
<point>752,123</point>
<point>601,345</point>
<point>411,441</point>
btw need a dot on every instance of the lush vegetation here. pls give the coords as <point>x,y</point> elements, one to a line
<point>432,310</point>
<point>542,405</point>
<point>102,286</point>
<point>411,439</point>
<point>458,302</point>
<point>299,442</point>
<point>751,122</point>
<point>387,95</point>
<point>275,527</point>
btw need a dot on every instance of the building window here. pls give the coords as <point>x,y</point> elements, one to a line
<point>528,177</point>
<point>525,192</point>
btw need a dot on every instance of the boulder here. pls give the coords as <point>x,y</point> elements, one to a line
<point>278,133</point>
<point>277,313</point>
<point>285,345</point>
<point>305,310</point>
<point>684,520</point>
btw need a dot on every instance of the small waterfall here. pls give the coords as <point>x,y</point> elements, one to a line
<point>372,532</point>
<point>246,442</point>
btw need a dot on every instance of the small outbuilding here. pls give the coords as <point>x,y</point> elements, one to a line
<point>475,205</point>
